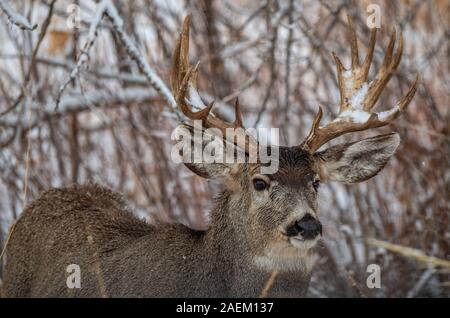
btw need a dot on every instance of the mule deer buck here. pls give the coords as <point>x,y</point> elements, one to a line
<point>260,224</point>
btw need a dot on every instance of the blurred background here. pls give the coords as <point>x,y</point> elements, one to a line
<point>103,121</point>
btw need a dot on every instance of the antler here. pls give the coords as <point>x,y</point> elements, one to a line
<point>183,77</point>
<point>359,97</point>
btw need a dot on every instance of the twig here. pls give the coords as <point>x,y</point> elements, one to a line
<point>108,8</point>
<point>155,81</point>
<point>11,230</point>
<point>16,18</point>
<point>422,281</point>
<point>98,266</point>
<point>84,56</point>
<point>25,186</point>
<point>352,282</point>
<point>287,74</point>
<point>249,82</point>
<point>76,103</point>
<point>27,158</point>
<point>269,284</point>
<point>273,74</point>
<point>410,252</point>
<point>423,129</point>
<point>32,66</point>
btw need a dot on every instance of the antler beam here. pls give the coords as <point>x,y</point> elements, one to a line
<point>183,78</point>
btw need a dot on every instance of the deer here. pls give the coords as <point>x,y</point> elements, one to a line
<point>263,227</point>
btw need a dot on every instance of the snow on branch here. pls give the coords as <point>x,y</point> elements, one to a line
<point>153,78</point>
<point>76,102</point>
<point>410,252</point>
<point>84,56</point>
<point>81,102</point>
<point>108,8</point>
<point>16,18</point>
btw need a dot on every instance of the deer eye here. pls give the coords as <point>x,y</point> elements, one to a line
<point>259,184</point>
<point>316,184</point>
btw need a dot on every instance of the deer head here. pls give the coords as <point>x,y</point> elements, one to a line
<point>276,214</point>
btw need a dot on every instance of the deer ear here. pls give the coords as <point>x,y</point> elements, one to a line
<point>357,161</point>
<point>209,170</point>
<point>204,152</point>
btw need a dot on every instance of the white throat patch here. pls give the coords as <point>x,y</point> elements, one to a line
<point>288,257</point>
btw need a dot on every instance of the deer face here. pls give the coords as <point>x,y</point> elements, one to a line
<point>282,208</point>
<point>277,214</point>
<point>285,203</point>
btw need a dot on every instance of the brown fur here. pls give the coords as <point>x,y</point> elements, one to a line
<point>135,259</point>
<point>122,256</point>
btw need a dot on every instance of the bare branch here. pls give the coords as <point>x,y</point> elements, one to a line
<point>410,252</point>
<point>155,81</point>
<point>84,56</point>
<point>16,18</point>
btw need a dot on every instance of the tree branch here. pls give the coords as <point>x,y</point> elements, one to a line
<point>16,18</point>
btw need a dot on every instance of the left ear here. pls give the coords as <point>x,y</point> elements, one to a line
<point>357,161</point>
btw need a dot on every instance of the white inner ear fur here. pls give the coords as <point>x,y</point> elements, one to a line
<point>359,161</point>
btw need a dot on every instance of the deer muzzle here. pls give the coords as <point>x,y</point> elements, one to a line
<point>308,228</point>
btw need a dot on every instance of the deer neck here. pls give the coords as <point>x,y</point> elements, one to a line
<point>226,240</point>
<point>226,236</point>
<point>235,252</point>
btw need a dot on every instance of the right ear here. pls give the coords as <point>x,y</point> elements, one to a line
<point>203,152</point>
<point>356,161</point>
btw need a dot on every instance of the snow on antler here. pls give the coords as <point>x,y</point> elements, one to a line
<point>358,97</point>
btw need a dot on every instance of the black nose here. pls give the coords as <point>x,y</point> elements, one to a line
<point>308,227</point>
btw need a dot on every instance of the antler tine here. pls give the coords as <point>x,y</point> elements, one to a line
<point>398,54</point>
<point>389,65</point>
<point>238,121</point>
<point>180,59</point>
<point>176,70</point>
<point>409,96</point>
<point>314,132</point>
<point>384,118</point>
<point>403,103</point>
<point>356,76</point>
<point>181,90</point>
<point>389,50</point>
<point>201,114</point>
<point>370,49</point>
<point>353,43</point>
<point>359,97</point>
<point>183,75</point>
<point>340,72</point>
